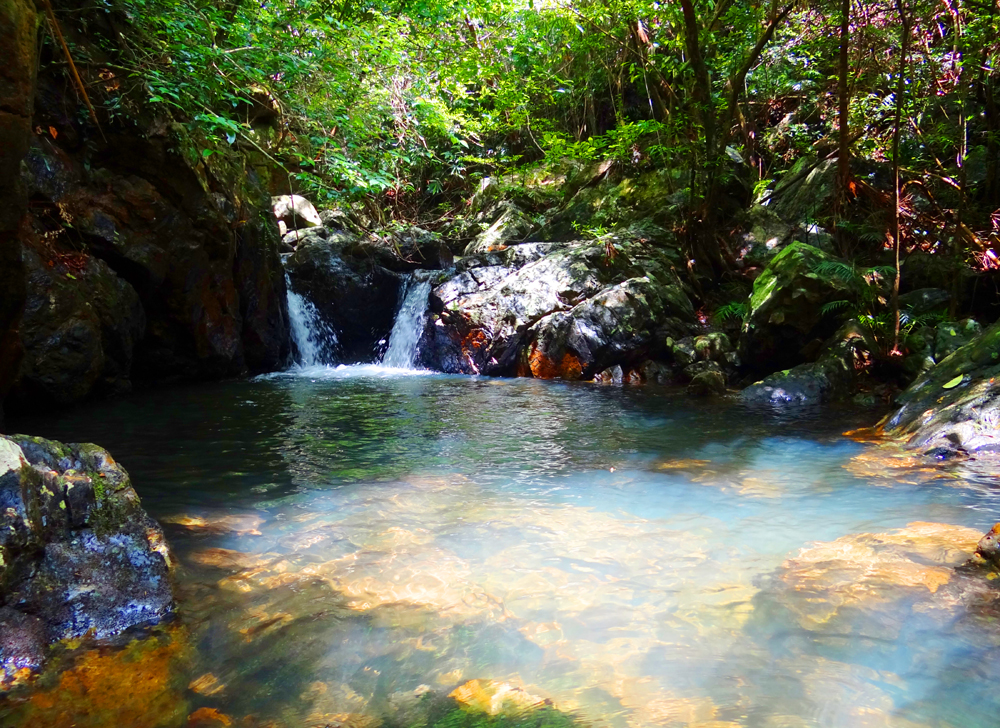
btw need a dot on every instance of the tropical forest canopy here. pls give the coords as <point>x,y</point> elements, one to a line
<point>406,106</point>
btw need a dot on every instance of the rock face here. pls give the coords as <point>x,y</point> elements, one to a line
<point>18,47</point>
<point>785,311</point>
<point>352,293</point>
<point>954,407</point>
<point>77,552</point>
<point>144,264</point>
<point>553,310</point>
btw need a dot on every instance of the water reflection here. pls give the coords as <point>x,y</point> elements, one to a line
<point>356,546</point>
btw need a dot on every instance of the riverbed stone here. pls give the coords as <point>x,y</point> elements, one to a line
<point>79,554</point>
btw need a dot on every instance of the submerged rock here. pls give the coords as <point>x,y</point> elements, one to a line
<point>549,310</point>
<point>78,555</point>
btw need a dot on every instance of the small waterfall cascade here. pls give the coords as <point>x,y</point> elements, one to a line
<point>315,340</point>
<point>409,324</point>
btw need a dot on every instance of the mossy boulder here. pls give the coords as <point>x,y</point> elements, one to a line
<point>954,407</point>
<point>786,308</point>
<point>78,555</point>
<point>829,378</point>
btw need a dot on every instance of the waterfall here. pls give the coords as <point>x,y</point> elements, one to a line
<point>409,325</point>
<point>315,339</point>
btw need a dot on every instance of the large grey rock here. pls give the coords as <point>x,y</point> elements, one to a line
<point>78,554</point>
<point>550,310</point>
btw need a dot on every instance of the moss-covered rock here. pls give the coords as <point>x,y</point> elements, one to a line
<point>785,308</point>
<point>827,379</point>
<point>955,406</point>
<point>77,552</point>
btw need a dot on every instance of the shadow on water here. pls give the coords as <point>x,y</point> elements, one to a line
<point>358,544</point>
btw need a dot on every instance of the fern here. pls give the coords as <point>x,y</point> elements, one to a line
<point>834,306</point>
<point>732,311</point>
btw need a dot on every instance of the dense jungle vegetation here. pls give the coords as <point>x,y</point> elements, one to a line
<point>403,108</point>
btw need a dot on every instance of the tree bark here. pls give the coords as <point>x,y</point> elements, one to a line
<point>904,49</point>
<point>844,147</point>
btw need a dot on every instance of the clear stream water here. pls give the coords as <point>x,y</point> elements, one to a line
<point>350,537</point>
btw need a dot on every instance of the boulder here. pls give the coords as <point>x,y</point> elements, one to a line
<point>294,213</point>
<point>829,378</point>
<point>708,383</point>
<point>353,294</point>
<point>78,555</point>
<point>954,407</point>
<point>805,190</point>
<point>510,226</point>
<point>79,330</point>
<point>550,311</point>
<point>785,309</point>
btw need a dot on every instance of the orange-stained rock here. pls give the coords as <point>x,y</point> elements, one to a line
<point>136,687</point>
<point>208,718</point>
<point>542,367</point>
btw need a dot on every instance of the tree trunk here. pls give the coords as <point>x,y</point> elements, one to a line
<point>904,49</point>
<point>844,147</point>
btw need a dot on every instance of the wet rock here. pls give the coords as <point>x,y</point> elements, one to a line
<point>550,311</point>
<point>78,552</point>
<point>611,375</point>
<point>408,249</point>
<point>707,383</point>
<point>655,372</point>
<point>785,312</point>
<point>989,546</point>
<point>294,212</point>
<point>23,640</point>
<point>954,406</point>
<point>353,294</point>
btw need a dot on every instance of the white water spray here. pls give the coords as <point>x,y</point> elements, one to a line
<point>315,339</point>
<point>409,325</point>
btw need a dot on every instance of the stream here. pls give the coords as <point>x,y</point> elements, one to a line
<point>354,540</point>
<point>349,537</point>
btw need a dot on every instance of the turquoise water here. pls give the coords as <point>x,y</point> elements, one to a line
<point>350,538</point>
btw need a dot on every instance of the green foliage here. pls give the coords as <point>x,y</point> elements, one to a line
<point>731,312</point>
